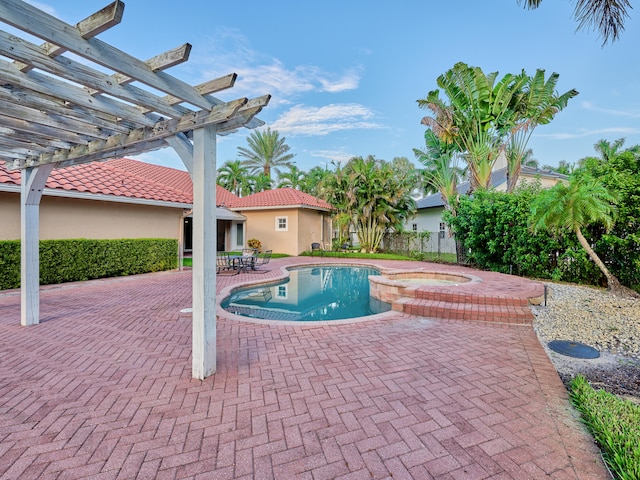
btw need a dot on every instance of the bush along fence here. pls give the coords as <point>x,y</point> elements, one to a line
<point>84,259</point>
<point>494,230</point>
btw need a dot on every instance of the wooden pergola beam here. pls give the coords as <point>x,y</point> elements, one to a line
<point>30,19</point>
<point>96,149</point>
<point>49,85</point>
<point>106,122</point>
<point>26,52</point>
<point>91,26</point>
<point>163,61</point>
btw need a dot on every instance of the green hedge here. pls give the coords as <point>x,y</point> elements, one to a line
<point>494,230</point>
<point>83,259</point>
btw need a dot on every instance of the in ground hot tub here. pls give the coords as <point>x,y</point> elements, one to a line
<point>392,285</point>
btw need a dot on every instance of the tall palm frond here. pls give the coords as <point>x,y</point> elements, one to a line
<point>605,16</point>
<point>266,151</point>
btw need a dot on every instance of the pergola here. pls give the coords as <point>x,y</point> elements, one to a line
<point>57,111</point>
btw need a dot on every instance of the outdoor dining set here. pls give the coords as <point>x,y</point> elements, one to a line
<point>248,260</point>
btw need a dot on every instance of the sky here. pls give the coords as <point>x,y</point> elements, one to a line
<point>345,75</point>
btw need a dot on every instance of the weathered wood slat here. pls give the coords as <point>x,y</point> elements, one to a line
<point>51,86</point>
<point>55,106</point>
<point>20,125</point>
<point>26,52</point>
<point>160,130</point>
<point>165,60</point>
<point>91,26</point>
<point>37,140</point>
<point>20,112</point>
<point>30,19</point>
<point>211,86</point>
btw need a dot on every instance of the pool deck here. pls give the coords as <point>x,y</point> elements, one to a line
<point>102,389</point>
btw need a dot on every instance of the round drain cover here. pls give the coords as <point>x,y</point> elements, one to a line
<point>573,349</point>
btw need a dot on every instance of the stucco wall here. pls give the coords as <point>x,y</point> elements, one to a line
<point>312,229</point>
<point>304,226</point>
<point>74,218</point>
<point>261,224</point>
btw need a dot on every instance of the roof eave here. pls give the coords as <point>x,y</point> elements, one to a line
<point>53,192</point>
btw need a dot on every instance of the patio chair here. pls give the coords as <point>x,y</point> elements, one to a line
<point>316,247</point>
<point>224,264</point>
<point>261,262</point>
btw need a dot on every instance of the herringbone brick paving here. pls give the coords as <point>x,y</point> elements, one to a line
<point>102,389</point>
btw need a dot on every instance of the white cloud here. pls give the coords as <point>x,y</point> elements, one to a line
<point>621,113</point>
<point>259,74</point>
<point>337,156</point>
<point>587,133</point>
<point>320,121</point>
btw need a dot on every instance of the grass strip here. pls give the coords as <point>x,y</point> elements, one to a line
<point>615,425</point>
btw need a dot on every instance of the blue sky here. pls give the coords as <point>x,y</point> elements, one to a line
<point>345,76</point>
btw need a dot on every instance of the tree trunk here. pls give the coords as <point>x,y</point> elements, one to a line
<point>613,284</point>
<point>513,173</point>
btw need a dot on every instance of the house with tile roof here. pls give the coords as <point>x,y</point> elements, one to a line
<point>285,220</point>
<point>429,209</point>
<point>119,198</point>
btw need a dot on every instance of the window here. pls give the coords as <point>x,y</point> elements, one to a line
<point>414,227</point>
<point>283,291</point>
<point>282,224</point>
<point>442,226</point>
<point>239,234</point>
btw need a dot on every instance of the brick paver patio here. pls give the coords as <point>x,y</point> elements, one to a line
<point>102,389</point>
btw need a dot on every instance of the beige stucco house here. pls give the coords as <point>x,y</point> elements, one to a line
<point>120,198</point>
<point>285,220</point>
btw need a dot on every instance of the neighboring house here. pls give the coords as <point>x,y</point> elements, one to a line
<point>429,210</point>
<point>285,220</point>
<point>120,198</point>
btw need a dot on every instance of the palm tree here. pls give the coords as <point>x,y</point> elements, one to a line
<point>232,175</point>
<point>441,173</point>
<point>573,206</point>
<point>312,183</point>
<point>294,178</point>
<point>607,16</point>
<point>333,189</point>
<point>378,198</point>
<point>564,167</point>
<point>529,160</point>
<point>266,151</point>
<point>537,105</point>
<point>260,183</point>
<point>477,118</point>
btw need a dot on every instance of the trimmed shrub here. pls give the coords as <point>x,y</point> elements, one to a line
<point>85,259</point>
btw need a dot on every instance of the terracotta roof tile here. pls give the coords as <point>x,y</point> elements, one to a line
<point>124,178</point>
<point>280,197</point>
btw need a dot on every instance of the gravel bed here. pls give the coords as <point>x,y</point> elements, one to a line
<point>596,318</point>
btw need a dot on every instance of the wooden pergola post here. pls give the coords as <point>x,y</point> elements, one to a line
<point>204,252</point>
<point>31,187</point>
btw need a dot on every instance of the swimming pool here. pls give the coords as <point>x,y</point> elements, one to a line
<point>327,292</point>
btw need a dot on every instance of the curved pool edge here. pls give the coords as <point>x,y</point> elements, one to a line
<point>226,292</point>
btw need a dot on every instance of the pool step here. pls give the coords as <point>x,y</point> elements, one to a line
<point>498,312</point>
<point>471,298</point>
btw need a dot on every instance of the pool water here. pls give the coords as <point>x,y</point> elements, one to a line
<point>310,294</point>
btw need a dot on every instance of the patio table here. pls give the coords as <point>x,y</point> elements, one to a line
<point>242,262</point>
